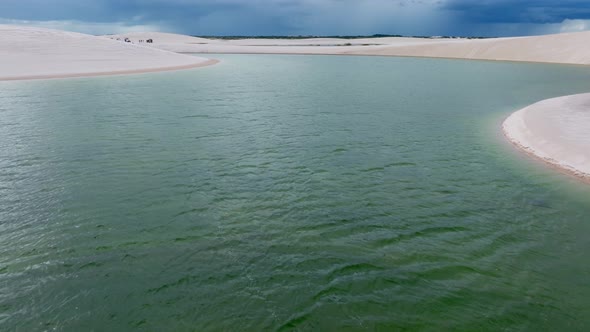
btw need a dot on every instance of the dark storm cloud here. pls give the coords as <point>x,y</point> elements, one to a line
<point>519,11</point>
<point>281,17</point>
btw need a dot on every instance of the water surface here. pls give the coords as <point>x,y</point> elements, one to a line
<point>288,193</point>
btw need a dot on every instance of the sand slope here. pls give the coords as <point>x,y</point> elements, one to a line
<point>28,52</point>
<point>570,48</point>
<point>556,130</point>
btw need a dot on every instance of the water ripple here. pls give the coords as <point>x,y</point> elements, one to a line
<point>332,194</point>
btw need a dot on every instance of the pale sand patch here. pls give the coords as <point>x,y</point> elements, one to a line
<point>320,46</point>
<point>555,130</point>
<point>33,53</point>
<point>567,48</point>
<point>190,44</point>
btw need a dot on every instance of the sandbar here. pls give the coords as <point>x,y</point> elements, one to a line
<point>556,131</point>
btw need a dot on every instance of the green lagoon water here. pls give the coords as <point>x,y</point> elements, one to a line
<point>288,193</point>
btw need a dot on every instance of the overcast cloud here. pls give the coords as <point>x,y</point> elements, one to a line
<point>304,17</point>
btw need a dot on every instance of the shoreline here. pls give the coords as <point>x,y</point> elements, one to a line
<point>583,176</point>
<point>556,152</point>
<point>556,134</point>
<point>398,56</point>
<point>506,133</point>
<point>548,163</point>
<point>208,62</point>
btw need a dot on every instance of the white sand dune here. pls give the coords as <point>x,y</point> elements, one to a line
<point>28,53</point>
<point>160,38</point>
<point>333,46</point>
<point>569,48</point>
<point>556,130</point>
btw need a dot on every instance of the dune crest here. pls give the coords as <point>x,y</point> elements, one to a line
<point>29,53</point>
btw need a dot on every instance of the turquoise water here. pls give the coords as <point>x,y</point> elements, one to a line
<point>288,193</point>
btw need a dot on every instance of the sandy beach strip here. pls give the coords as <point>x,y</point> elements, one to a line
<point>556,131</point>
<point>565,48</point>
<point>36,53</point>
<point>209,62</point>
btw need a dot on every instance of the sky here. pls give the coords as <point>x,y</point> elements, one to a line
<point>486,18</point>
